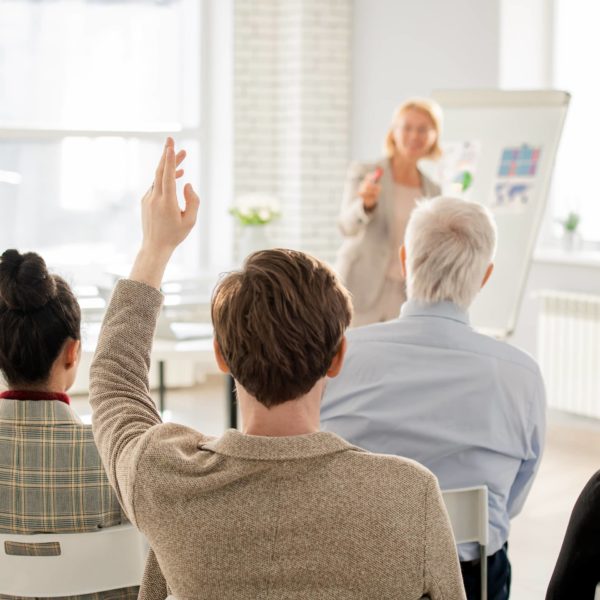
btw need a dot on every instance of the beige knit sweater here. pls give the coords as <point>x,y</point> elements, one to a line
<point>247,517</point>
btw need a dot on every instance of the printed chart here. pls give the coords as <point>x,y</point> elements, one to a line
<point>516,178</point>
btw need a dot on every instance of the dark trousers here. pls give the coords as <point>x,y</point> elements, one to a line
<point>498,576</point>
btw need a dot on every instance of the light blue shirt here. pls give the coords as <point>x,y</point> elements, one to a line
<point>428,387</point>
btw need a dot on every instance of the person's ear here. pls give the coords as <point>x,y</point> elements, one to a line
<point>403,260</point>
<point>219,357</point>
<point>488,273</point>
<point>338,359</point>
<point>71,353</point>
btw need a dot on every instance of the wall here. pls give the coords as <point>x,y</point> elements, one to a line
<point>404,48</point>
<point>526,62</point>
<point>217,126</point>
<point>291,108</point>
<point>553,271</point>
<point>525,44</point>
<point>314,84</point>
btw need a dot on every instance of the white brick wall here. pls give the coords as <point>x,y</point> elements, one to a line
<point>292,113</point>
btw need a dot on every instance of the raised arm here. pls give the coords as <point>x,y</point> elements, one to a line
<point>123,410</point>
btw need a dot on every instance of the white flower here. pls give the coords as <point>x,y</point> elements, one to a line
<point>257,202</point>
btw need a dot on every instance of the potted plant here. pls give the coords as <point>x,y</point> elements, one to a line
<point>253,212</point>
<point>570,225</point>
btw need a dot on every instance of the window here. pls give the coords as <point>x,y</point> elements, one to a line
<point>576,46</point>
<point>88,91</point>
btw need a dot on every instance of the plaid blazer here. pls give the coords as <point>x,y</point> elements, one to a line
<point>52,479</point>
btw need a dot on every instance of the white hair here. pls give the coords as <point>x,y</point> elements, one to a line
<point>449,245</point>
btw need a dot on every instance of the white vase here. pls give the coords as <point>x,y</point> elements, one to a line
<point>571,241</point>
<point>251,239</point>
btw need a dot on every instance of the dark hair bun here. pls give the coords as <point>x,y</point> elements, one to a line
<point>24,281</point>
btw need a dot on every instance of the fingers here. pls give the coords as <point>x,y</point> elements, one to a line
<point>158,177</point>
<point>179,157</point>
<point>192,203</point>
<point>178,160</point>
<point>168,179</point>
<point>369,189</point>
<point>165,164</point>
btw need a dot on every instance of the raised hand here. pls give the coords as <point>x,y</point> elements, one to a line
<point>164,224</point>
<point>369,191</point>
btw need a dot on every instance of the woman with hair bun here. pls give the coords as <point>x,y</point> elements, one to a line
<point>378,199</point>
<point>51,476</point>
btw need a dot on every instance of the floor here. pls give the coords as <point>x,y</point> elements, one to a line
<point>571,456</point>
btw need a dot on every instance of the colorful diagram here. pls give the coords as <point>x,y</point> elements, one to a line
<point>519,162</point>
<point>515,182</point>
<point>512,193</point>
<point>458,166</point>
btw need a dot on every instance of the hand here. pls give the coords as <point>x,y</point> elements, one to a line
<point>369,191</point>
<point>164,224</point>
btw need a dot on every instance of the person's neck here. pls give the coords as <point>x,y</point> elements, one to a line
<point>405,171</point>
<point>294,417</point>
<point>54,384</point>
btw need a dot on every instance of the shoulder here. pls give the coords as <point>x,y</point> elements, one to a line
<point>591,491</point>
<point>166,443</point>
<point>510,355</point>
<point>430,187</point>
<point>387,468</point>
<point>362,339</point>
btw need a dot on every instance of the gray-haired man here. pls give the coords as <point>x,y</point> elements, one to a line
<point>429,387</point>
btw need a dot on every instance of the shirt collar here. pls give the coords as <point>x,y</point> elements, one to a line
<point>441,310</point>
<point>35,395</point>
<point>256,447</point>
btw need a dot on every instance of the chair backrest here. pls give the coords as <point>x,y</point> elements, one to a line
<point>597,594</point>
<point>468,512</point>
<point>101,560</point>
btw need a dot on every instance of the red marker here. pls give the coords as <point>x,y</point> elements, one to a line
<point>377,175</point>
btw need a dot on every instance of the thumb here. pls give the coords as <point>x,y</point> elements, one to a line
<point>192,203</point>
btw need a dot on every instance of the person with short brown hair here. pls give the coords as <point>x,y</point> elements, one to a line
<point>280,291</point>
<point>279,509</point>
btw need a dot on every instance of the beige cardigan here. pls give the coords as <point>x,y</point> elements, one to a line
<point>364,256</point>
<point>246,517</point>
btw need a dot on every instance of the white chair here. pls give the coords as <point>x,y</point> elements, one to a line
<point>597,594</point>
<point>101,560</point>
<point>468,512</point>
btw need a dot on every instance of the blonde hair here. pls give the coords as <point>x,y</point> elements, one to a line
<point>449,245</point>
<point>432,109</point>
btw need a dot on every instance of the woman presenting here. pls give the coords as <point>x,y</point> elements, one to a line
<point>378,199</point>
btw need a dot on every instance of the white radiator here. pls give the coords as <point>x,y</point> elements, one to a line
<point>569,351</point>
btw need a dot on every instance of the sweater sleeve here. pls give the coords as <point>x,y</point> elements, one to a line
<point>123,410</point>
<point>154,585</point>
<point>442,577</point>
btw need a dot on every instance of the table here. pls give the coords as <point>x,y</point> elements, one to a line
<point>200,351</point>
